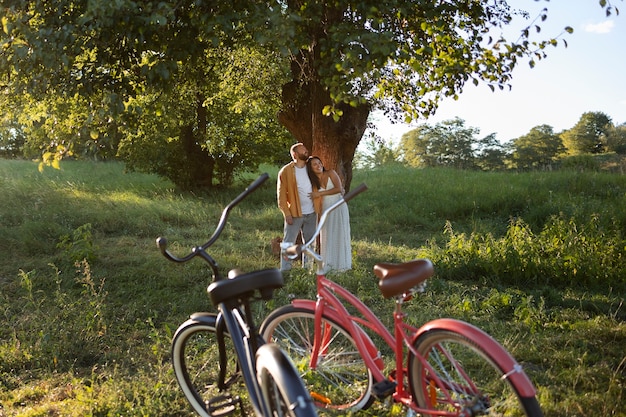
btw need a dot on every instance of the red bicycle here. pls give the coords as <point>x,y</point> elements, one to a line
<point>452,368</point>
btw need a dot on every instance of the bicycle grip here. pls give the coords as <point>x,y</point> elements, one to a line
<point>256,184</point>
<point>354,192</point>
<point>162,244</point>
<point>293,251</point>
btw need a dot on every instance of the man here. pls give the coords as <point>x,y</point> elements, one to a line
<point>293,189</point>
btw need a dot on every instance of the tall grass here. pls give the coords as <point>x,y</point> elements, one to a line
<point>483,201</point>
<point>88,306</point>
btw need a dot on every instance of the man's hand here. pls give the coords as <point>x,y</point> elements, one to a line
<point>289,219</point>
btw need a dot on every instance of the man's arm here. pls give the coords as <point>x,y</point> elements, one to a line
<point>281,194</point>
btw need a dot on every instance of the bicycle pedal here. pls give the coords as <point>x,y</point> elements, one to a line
<point>383,389</point>
<point>224,405</point>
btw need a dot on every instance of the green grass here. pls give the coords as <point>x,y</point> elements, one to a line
<point>88,305</point>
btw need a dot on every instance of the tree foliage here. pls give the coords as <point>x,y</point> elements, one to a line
<point>588,135</point>
<point>219,121</point>
<point>12,136</point>
<point>402,57</point>
<point>69,126</point>
<point>448,143</point>
<point>344,58</point>
<point>537,149</point>
<point>377,154</point>
<point>490,154</point>
<point>616,139</point>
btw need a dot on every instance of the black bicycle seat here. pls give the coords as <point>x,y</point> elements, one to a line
<point>243,285</point>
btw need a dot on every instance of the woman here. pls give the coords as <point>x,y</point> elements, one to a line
<point>335,235</point>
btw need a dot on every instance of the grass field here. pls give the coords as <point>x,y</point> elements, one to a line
<point>88,305</point>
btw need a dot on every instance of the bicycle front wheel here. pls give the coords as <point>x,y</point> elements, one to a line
<point>195,358</point>
<point>281,387</point>
<point>461,376</point>
<point>340,380</point>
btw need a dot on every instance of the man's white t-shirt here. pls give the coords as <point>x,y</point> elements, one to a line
<point>304,191</point>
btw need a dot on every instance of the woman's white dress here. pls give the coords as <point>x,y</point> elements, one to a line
<point>335,235</point>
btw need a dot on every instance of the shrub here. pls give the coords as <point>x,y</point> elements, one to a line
<point>563,254</point>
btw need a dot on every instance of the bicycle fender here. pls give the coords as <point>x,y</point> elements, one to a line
<point>331,313</point>
<point>498,353</point>
<point>286,377</point>
<point>208,319</point>
<point>204,318</point>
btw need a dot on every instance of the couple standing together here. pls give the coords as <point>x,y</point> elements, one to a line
<point>305,189</point>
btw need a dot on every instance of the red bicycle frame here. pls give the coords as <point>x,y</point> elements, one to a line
<point>330,303</point>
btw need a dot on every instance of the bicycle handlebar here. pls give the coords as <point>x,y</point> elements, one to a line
<point>162,242</point>
<point>353,193</point>
<point>294,251</point>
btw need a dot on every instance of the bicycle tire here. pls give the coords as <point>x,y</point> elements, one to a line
<point>341,381</point>
<point>195,357</point>
<point>281,387</point>
<point>469,373</point>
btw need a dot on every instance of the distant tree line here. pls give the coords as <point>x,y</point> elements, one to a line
<point>452,144</point>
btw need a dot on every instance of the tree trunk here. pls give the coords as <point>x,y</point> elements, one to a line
<point>334,142</point>
<point>199,163</point>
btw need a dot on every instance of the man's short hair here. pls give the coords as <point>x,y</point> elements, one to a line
<point>294,146</point>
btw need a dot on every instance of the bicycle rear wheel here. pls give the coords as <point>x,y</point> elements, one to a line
<point>195,358</point>
<point>471,379</point>
<point>281,387</point>
<point>341,380</point>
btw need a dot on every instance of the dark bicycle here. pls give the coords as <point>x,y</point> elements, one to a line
<point>274,386</point>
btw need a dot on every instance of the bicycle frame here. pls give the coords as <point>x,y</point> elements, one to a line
<point>245,344</point>
<point>331,302</point>
<point>231,322</point>
<point>233,297</point>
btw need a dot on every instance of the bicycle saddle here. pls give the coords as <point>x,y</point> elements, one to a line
<point>397,279</point>
<point>239,284</point>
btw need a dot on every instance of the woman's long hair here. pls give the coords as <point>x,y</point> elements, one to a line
<point>315,181</point>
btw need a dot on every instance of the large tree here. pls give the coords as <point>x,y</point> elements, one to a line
<point>589,134</point>
<point>616,139</point>
<point>538,149</point>
<point>344,57</point>
<point>490,153</point>
<point>448,143</point>
<point>219,121</point>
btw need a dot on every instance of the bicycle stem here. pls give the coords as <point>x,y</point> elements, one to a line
<point>294,251</point>
<point>353,193</point>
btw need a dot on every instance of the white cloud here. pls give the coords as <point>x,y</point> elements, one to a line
<point>604,27</point>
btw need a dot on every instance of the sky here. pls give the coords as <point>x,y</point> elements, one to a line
<point>589,75</point>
